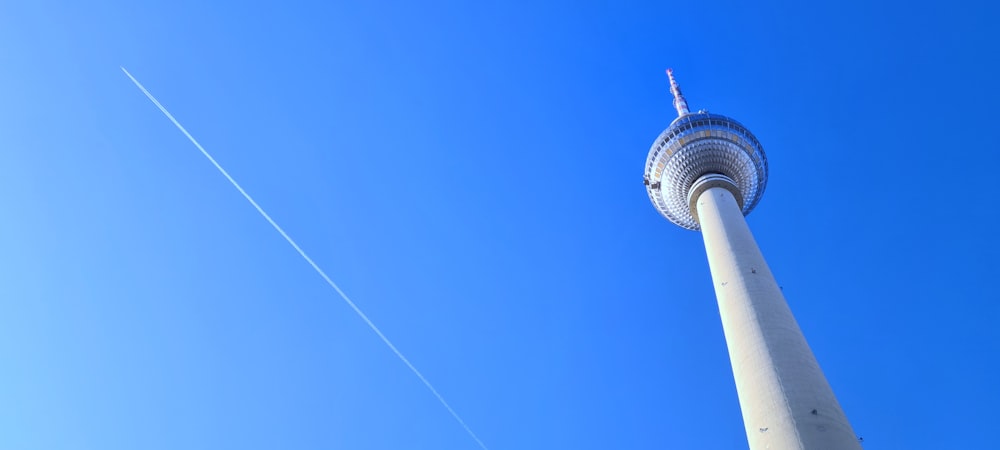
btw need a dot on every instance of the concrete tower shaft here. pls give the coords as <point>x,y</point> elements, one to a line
<point>786,400</point>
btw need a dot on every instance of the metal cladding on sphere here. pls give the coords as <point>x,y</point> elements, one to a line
<point>699,144</point>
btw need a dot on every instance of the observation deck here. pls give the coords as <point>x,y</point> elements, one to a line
<point>697,144</point>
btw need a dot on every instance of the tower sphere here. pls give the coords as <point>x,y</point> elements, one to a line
<point>698,144</point>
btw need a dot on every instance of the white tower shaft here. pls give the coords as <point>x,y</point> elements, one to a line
<point>786,400</point>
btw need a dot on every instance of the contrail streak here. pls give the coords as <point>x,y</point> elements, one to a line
<point>307,258</point>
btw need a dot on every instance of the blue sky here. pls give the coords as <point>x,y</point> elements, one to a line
<point>470,173</point>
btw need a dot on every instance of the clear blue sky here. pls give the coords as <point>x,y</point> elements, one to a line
<point>471,174</point>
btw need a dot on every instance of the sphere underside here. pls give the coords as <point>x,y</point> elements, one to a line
<point>696,145</point>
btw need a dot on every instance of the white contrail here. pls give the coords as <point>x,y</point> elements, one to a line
<point>307,258</point>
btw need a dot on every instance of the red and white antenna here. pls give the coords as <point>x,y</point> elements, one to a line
<point>680,104</point>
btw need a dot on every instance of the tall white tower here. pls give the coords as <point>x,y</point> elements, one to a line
<point>707,172</point>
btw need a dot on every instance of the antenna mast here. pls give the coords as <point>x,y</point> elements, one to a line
<point>680,104</point>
